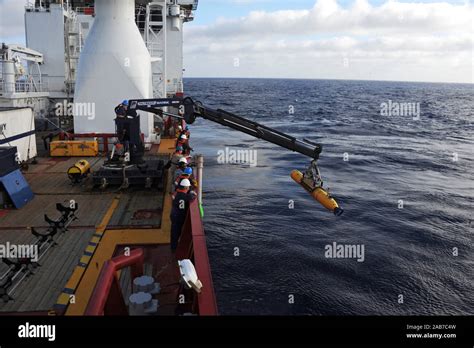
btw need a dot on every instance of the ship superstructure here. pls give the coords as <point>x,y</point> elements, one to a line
<point>42,73</point>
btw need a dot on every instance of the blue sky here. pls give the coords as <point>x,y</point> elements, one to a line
<point>420,40</point>
<point>209,10</point>
<point>400,40</point>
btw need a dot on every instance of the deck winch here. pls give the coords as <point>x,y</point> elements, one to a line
<point>126,164</point>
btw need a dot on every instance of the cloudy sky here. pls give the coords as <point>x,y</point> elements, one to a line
<point>420,40</point>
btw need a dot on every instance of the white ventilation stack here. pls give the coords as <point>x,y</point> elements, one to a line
<point>114,65</point>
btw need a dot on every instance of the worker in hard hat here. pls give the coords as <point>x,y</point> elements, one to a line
<point>183,142</point>
<point>178,161</point>
<point>187,174</point>
<point>182,138</point>
<point>184,131</point>
<point>180,167</point>
<point>179,210</point>
<point>122,110</point>
<point>182,162</point>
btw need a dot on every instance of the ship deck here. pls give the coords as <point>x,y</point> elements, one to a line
<point>108,220</point>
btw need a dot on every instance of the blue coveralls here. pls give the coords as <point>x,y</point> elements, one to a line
<point>178,215</point>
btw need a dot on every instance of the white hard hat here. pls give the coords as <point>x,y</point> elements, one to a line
<point>184,137</point>
<point>185,183</point>
<point>183,160</point>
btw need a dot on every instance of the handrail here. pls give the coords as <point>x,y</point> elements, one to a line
<point>192,245</point>
<point>206,299</point>
<point>107,289</point>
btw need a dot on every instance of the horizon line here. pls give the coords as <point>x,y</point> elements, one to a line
<point>318,78</point>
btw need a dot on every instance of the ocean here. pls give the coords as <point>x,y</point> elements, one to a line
<point>398,157</point>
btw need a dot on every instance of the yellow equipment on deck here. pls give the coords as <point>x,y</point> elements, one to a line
<point>79,171</point>
<point>73,148</point>
<point>318,193</point>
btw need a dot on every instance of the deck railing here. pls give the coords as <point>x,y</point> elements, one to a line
<point>107,298</point>
<point>192,245</point>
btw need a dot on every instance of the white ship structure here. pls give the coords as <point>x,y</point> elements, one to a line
<point>82,58</point>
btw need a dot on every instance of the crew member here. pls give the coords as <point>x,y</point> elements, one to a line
<point>182,163</point>
<point>179,211</point>
<point>180,140</point>
<point>183,142</point>
<point>179,131</point>
<point>122,110</point>
<point>179,160</point>
<point>179,151</point>
<point>187,173</point>
<point>181,166</point>
<point>184,131</point>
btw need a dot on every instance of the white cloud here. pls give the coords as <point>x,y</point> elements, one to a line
<point>395,40</point>
<point>360,19</point>
<point>424,41</point>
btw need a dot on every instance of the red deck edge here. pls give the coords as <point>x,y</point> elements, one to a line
<point>206,299</point>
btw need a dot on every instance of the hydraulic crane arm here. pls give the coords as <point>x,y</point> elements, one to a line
<point>257,130</point>
<point>189,110</point>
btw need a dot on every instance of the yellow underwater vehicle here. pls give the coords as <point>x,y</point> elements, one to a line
<point>316,190</point>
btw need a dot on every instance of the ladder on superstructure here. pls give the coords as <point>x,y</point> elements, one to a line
<point>155,40</point>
